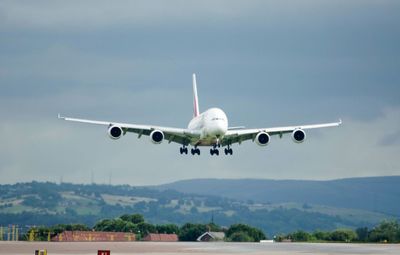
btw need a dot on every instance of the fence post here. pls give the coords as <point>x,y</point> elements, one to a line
<point>13,233</point>
<point>31,235</point>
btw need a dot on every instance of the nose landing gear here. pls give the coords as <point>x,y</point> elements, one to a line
<point>195,151</point>
<point>214,151</point>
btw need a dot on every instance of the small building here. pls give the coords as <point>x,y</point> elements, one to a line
<point>92,236</point>
<point>161,238</point>
<point>211,237</point>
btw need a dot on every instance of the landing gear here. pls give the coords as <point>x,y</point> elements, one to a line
<point>195,151</point>
<point>183,150</point>
<point>228,151</point>
<point>214,151</point>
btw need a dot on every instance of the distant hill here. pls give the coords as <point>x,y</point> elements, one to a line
<point>36,203</point>
<point>377,194</point>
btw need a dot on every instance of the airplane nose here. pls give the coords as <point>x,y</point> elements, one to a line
<point>220,129</point>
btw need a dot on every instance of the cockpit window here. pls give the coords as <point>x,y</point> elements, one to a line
<point>217,118</point>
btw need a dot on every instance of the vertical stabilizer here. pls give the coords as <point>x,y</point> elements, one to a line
<point>195,98</point>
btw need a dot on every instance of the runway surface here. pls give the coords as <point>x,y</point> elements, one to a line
<point>182,248</point>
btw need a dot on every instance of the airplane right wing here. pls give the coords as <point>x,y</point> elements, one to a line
<point>116,130</point>
<point>238,136</point>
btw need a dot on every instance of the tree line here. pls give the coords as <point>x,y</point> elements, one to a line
<point>386,231</point>
<point>135,223</point>
<point>49,204</point>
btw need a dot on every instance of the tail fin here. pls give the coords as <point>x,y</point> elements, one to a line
<point>195,98</point>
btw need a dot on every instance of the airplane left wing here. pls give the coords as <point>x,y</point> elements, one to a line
<point>238,136</point>
<point>177,135</point>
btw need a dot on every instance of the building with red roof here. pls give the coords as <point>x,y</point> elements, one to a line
<point>161,238</point>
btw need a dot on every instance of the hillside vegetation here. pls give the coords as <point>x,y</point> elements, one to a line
<point>377,194</point>
<point>50,204</point>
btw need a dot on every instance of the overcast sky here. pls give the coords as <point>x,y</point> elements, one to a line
<point>265,63</point>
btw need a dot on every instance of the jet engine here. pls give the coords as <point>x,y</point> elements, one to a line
<point>157,136</point>
<point>298,135</point>
<point>115,132</point>
<point>262,138</point>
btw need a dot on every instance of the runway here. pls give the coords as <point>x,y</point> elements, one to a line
<point>183,248</point>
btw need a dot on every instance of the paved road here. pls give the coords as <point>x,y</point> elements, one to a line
<point>183,248</point>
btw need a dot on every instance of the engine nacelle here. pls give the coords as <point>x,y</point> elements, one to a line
<point>157,136</point>
<point>115,132</point>
<point>298,135</point>
<point>262,139</point>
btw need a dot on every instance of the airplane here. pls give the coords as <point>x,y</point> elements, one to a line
<point>209,128</point>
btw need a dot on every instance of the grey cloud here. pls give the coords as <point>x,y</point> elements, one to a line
<point>392,139</point>
<point>265,63</point>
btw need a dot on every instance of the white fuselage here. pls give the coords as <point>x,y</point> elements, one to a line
<point>212,124</point>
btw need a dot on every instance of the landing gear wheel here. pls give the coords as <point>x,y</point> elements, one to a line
<point>214,151</point>
<point>228,150</point>
<point>195,151</point>
<point>183,150</point>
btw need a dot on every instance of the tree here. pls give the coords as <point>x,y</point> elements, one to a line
<point>343,235</point>
<point>321,235</point>
<point>134,218</point>
<point>362,234</point>
<point>254,233</point>
<point>130,227</point>
<point>167,229</point>
<point>300,236</point>
<point>190,232</point>
<point>146,228</point>
<point>388,231</point>
<point>104,225</point>
<point>240,237</point>
<point>59,228</point>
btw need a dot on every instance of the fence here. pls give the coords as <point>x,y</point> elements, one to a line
<point>13,232</point>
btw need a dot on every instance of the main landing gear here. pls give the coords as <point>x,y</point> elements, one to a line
<point>184,150</point>
<point>228,150</point>
<point>213,150</point>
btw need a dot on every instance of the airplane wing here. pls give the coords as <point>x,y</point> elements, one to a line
<point>238,136</point>
<point>177,135</point>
